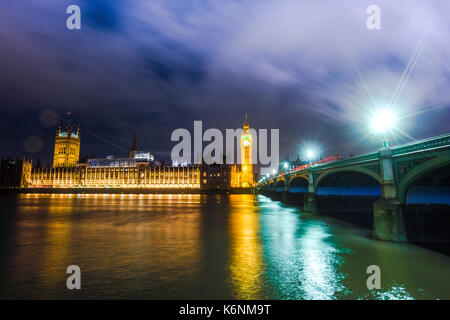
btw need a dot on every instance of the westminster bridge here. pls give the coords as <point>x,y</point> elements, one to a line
<point>402,192</point>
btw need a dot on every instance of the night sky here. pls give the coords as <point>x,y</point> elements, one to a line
<point>310,68</point>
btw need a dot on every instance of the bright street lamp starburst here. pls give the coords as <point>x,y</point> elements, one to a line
<point>382,121</point>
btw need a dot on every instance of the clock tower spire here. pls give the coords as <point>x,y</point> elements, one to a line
<point>246,156</point>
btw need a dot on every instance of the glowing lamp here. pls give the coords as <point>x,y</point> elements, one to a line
<point>382,121</point>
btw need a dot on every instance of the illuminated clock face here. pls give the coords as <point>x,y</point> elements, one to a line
<point>246,142</point>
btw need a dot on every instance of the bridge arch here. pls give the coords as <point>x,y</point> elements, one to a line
<point>280,179</point>
<point>357,170</point>
<point>298,184</point>
<point>421,171</point>
<point>280,185</point>
<point>303,175</point>
<point>348,195</point>
<point>361,182</point>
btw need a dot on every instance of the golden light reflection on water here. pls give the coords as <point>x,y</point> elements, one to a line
<point>246,270</point>
<point>127,237</point>
<point>58,234</point>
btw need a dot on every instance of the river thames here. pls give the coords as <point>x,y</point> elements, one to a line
<point>200,247</point>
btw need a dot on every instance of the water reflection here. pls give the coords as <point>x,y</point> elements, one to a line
<point>200,247</point>
<point>320,278</point>
<point>246,269</point>
<point>301,263</point>
<point>126,246</point>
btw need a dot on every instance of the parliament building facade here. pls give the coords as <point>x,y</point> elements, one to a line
<point>137,171</point>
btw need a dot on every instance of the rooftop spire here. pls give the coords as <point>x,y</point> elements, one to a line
<point>133,148</point>
<point>246,126</point>
<point>69,128</point>
<point>134,144</point>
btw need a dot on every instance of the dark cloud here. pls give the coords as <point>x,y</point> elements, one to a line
<point>311,69</point>
<point>104,15</point>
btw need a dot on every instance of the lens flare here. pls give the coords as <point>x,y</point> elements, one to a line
<point>383,120</point>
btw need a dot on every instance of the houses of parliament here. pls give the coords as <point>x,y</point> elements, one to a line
<point>138,170</point>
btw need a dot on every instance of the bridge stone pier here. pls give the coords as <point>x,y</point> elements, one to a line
<point>387,212</point>
<point>310,204</point>
<point>402,193</point>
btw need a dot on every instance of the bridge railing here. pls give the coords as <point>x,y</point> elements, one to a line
<point>325,160</point>
<point>438,142</point>
<point>426,144</point>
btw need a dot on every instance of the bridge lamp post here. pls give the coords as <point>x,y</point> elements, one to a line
<point>383,121</point>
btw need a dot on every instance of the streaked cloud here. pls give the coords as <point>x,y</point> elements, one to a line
<point>311,68</point>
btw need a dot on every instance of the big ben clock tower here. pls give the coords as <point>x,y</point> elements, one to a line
<point>246,156</point>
